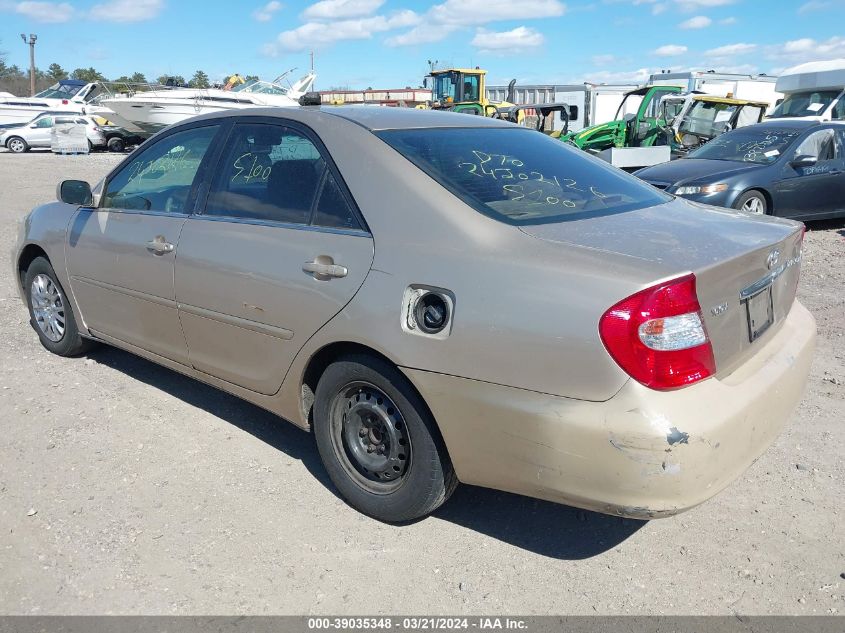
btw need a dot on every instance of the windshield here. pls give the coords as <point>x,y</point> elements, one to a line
<point>59,91</point>
<point>262,87</point>
<point>708,118</point>
<point>809,103</point>
<point>520,177</point>
<point>762,145</point>
<point>443,87</point>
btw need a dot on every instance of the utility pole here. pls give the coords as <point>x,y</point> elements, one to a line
<point>32,39</point>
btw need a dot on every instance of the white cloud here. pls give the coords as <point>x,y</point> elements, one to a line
<point>265,13</point>
<point>659,8</point>
<point>472,12</point>
<point>694,5</point>
<point>807,49</point>
<point>127,10</point>
<point>727,21</point>
<point>321,35</point>
<point>698,22</point>
<point>49,12</point>
<point>669,50</point>
<point>816,5</point>
<point>731,50</point>
<point>422,34</point>
<point>443,19</point>
<point>341,9</point>
<point>638,76</point>
<point>515,40</point>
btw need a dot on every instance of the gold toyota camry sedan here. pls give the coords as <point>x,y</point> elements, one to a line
<point>440,298</point>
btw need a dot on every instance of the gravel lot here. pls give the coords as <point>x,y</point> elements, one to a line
<point>127,488</point>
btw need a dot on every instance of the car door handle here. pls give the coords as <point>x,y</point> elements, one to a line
<point>321,269</point>
<point>160,246</point>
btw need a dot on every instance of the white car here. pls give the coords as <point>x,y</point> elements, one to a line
<point>38,132</point>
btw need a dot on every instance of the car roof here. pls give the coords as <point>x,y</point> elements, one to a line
<point>371,117</point>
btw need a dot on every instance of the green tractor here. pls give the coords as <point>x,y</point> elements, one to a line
<point>641,129</point>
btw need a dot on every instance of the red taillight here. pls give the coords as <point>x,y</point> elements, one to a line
<point>658,337</point>
<point>65,101</point>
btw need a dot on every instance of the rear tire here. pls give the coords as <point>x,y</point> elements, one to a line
<point>377,441</point>
<point>17,145</point>
<point>753,202</point>
<point>116,145</point>
<point>50,313</point>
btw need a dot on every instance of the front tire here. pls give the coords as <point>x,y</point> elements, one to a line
<point>753,202</point>
<point>50,313</point>
<point>17,145</point>
<point>379,444</point>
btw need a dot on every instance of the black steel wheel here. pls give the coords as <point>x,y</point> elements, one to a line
<point>378,441</point>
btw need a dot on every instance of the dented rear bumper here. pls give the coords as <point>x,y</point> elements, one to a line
<point>643,453</point>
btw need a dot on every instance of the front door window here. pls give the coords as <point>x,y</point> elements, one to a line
<point>160,178</point>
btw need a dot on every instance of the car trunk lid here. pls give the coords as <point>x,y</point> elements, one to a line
<point>746,266</point>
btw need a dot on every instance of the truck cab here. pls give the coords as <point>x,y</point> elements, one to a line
<point>459,89</point>
<point>813,91</point>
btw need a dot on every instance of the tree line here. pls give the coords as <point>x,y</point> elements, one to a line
<point>16,80</point>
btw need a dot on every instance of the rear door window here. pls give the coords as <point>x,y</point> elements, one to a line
<point>269,172</point>
<point>275,173</point>
<point>520,176</point>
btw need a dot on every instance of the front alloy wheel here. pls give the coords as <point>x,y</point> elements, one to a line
<point>48,307</point>
<point>16,145</point>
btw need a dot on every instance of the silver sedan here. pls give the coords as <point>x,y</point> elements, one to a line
<point>439,298</point>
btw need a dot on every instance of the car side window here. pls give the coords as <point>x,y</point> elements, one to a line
<point>820,145</point>
<point>269,172</point>
<point>333,209</point>
<point>838,113</point>
<point>160,179</point>
<point>46,121</point>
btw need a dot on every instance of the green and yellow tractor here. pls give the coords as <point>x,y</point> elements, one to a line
<point>642,127</point>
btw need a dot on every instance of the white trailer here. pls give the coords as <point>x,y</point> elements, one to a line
<point>813,91</point>
<point>589,104</point>
<point>750,87</point>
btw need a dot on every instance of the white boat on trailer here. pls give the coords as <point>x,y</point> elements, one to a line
<point>156,109</point>
<point>67,95</point>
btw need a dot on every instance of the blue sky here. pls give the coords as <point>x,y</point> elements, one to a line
<point>385,43</point>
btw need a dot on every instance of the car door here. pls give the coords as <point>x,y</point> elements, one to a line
<point>812,190</point>
<point>38,134</point>
<point>276,252</point>
<point>120,255</point>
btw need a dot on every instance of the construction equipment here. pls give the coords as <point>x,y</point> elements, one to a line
<point>693,119</point>
<point>464,90</point>
<point>637,123</point>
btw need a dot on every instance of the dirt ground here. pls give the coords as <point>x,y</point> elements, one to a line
<point>127,488</point>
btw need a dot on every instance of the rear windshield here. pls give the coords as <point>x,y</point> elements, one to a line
<point>520,176</point>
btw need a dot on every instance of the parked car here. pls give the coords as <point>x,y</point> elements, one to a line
<point>439,298</point>
<point>789,168</point>
<point>37,133</point>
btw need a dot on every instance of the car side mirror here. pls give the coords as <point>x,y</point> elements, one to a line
<point>804,160</point>
<point>76,192</point>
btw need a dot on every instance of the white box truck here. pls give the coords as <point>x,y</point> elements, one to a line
<point>814,91</point>
<point>750,87</point>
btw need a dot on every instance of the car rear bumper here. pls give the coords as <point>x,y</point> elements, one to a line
<point>643,453</point>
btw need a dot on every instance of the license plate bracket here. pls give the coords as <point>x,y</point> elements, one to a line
<point>759,311</point>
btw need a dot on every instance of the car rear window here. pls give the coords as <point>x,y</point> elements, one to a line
<point>521,176</point>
